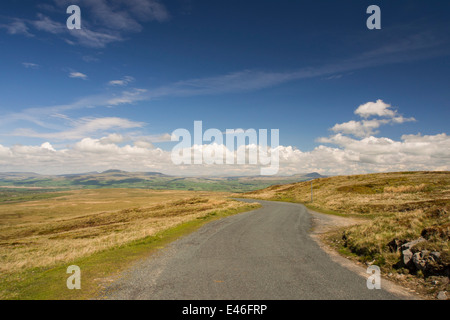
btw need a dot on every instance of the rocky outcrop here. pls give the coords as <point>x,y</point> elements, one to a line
<point>429,263</point>
<point>406,253</point>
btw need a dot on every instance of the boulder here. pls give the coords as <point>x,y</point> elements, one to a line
<point>420,260</point>
<point>442,295</point>
<point>436,255</point>
<point>406,253</point>
<point>407,256</point>
<point>411,244</point>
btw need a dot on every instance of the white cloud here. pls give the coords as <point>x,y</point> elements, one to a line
<point>78,75</point>
<point>128,97</point>
<point>84,127</point>
<point>123,82</point>
<point>351,156</point>
<point>373,154</point>
<point>48,146</point>
<point>413,152</point>
<point>94,39</point>
<point>354,150</point>
<point>359,128</point>
<point>30,65</point>
<point>18,26</point>
<point>144,144</point>
<point>367,127</point>
<point>114,138</point>
<point>111,20</point>
<point>44,23</point>
<point>378,108</point>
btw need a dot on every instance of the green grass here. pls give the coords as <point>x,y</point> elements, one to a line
<point>21,195</point>
<point>323,210</point>
<point>317,208</point>
<point>50,283</point>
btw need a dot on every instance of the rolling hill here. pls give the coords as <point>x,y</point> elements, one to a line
<point>147,180</point>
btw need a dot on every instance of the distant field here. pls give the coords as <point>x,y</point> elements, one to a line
<point>399,207</point>
<point>39,231</point>
<point>144,180</point>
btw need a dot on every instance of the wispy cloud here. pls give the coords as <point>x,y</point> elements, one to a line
<point>124,14</point>
<point>94,39</point>
<point>44,23</point>
<point>18,26</point>
<point>30,65</point>
<point>122,82</point>
<point>111,22</point>
<point>84,36</point>
<point>78,75</point>
<point>413,48</point>
<point>89,58</point>
<point>82,128</point>
<point>128,97</point>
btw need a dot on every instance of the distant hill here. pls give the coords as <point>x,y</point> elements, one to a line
<point>148,180</point>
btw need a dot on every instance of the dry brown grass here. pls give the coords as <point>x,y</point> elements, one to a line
<point>367,194</point>
<point>46,232</point>
<point>406,189</point>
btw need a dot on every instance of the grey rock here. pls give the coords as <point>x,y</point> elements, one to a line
<point>419,261</point>
<point>411,244</point>
<point>436,255</point>
<point>442,295</point>
<point>407,255</point>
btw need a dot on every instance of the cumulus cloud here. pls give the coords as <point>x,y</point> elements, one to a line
<point>344,152</point>
<point>378,108</point>
<point>113,138</point>
<point>85,155</point>
<point>144,144</point>
<point>382,113</point>
<point>359,128</point>
<point>360,151</point>
<point>350,156</point>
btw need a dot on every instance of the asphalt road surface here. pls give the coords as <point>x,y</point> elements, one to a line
<point>265,254</point>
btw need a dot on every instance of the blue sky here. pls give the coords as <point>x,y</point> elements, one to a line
<point>139,69</point>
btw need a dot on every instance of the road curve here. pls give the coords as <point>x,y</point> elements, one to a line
<point>265,254</point>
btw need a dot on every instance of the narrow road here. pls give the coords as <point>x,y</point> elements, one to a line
<point>263,254</point>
